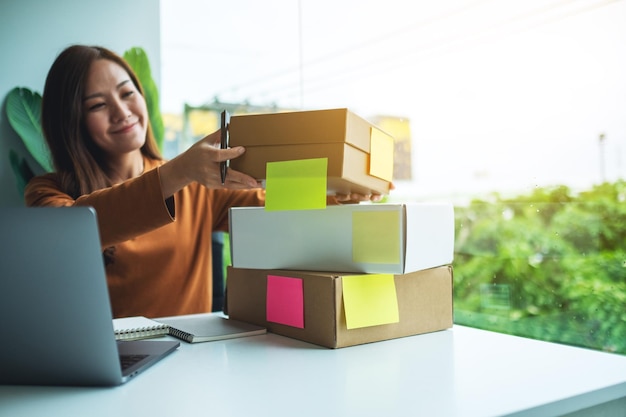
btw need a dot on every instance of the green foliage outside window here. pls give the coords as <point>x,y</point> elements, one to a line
<point>550,265</point>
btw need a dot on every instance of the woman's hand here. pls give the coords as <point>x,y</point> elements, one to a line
<point>201,163</point>
<point>354,198</point>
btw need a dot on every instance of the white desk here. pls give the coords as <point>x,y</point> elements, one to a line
<point>461,372</point>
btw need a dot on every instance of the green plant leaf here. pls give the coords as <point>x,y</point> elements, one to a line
<point>138,60</point>
<point>22,171</point>
<point>24,114</point>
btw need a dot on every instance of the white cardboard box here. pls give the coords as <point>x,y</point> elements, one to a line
<point>365,238</point>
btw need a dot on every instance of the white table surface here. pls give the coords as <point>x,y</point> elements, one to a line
<point>461,372</point>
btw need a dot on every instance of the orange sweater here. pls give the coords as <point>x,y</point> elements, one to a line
<point>160,265</point>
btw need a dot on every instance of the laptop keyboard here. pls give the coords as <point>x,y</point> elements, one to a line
<point>129,360</point>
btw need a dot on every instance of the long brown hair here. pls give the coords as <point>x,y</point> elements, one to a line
<point>77,160</point>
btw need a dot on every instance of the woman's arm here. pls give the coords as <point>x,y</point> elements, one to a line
<point>124,211</point>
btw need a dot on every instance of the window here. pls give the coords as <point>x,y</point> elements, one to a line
<point>513,111</point>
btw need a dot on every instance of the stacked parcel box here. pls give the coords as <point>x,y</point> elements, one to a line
<point>340,275</point>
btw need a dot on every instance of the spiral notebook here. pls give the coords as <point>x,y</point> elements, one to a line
<point>138,327</point>
<point>192,328</point>
<point>209,327</point>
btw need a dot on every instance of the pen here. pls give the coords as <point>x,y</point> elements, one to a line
<point>224,144</point>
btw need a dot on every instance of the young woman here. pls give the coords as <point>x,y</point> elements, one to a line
<point>155,217</point>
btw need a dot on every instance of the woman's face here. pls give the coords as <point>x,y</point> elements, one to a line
<point>115,112</point>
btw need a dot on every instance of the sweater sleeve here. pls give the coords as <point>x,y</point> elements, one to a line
<point>124,211</point>
<point>223,200</point>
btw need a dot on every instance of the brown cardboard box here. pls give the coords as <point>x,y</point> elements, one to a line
<point>337,134</point>
<point>424,305</point>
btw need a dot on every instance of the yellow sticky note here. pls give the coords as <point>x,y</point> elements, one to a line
<point>381,154</point>
<point>296,185</point>
<point>370,300</point>
<point>376,237</point>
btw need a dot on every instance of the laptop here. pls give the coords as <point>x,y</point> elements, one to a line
<point>55,316</point>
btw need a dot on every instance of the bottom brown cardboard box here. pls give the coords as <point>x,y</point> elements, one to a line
<point>424,305</point>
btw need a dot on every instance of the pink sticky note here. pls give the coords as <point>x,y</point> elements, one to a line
<point>285,301</point>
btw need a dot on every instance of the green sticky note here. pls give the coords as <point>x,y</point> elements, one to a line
<point>370,300</point>
<point>376,237</point>
<point>296,185</point>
